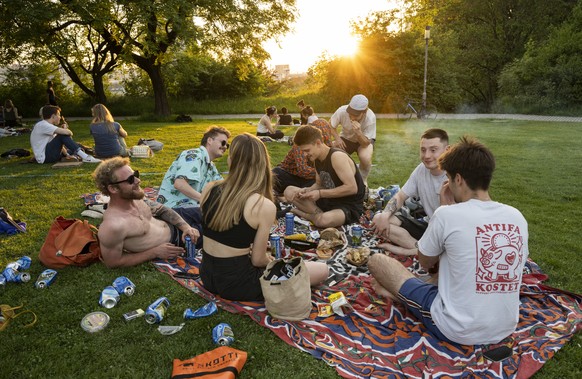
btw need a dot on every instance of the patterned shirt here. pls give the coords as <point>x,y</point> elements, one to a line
<point>297,163</point>
<point>196,168</point>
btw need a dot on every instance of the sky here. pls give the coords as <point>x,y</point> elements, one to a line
<point>322,25</point>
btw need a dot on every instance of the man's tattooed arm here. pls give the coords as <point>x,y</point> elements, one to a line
<point>166,214</point>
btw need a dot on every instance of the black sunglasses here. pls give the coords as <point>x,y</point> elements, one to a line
<point>224,143</point>
<point>130,179</point>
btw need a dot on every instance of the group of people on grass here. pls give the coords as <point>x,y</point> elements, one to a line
<point>478,246</point>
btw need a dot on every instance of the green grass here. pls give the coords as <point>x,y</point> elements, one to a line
<point>538,170</point>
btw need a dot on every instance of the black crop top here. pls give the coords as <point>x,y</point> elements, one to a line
<point>241,235</point>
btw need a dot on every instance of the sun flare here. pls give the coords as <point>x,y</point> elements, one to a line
<point>344,46</point>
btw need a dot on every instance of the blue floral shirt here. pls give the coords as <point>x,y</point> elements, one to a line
<point>196,168</point>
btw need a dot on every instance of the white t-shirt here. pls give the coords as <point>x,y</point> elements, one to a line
<point>311,118</point>
<point>342,117</point>
<point>426,186</point>
<point>483,246</point>
<point>42,133</point>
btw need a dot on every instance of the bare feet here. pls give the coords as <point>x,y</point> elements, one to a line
<point>396,249</point>
<point>381,291</point>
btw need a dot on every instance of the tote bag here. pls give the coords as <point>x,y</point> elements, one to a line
<point>287,298</point>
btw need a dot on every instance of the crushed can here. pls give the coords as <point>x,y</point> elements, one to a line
<point>222,334</point>
<point>14,276</point>
<point>123,285</point>
<point>289,223</point>
<point>204,311</point>
<point>357,235</point>
<point>157,310</point>
<point>190,247</point>
<point>21,264</point>
<point>45,278</point>
<point>109,297</point>
<point>276,246</point>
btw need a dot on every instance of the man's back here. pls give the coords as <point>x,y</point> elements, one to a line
<point>485,247</point>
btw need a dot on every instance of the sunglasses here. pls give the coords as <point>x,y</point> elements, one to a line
<point>130,179</point>
<point>224,143</point>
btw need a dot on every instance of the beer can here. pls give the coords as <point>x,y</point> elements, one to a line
<point>357,235</point>
<point>276,246</point>
<point>14,276</point>
<point>123,285</point>
<point>390,192</point>
<point>45,278</point>
<point>109,297</point>
<point>2,282</point>
<point>289,223</point>
<point>21,264</point>
<point>190,247</point>
<point>157,310</point>
<point>222,334</point>
<point>204,311</point>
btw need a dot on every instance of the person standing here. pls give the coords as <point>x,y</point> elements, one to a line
<point>480,246</point>
<point>358,133</point>
<point>109,136</point>
<point>426,182</point>
<point>337,197</point>
<point>51,143</point>
<point>194,168</point>
<point>50,92</point>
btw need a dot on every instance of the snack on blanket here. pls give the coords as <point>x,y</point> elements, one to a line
<point>297,237</point>
<point>330,239</point>
<point>358,256</point>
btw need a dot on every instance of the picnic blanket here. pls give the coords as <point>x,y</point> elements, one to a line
<point>382,340</point>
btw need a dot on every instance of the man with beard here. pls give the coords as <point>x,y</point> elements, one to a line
<point>426,182</point>
<point>134,230</point>
<point>337,196</point>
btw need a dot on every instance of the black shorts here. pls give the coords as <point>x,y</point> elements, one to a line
<point>354,146</point>
<point>193,217</point>
<point>352,211</point>
<point>232,278</point>
<point>283,179</point>
<point>415,228</point>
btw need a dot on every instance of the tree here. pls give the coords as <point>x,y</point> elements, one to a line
<point>147,32</point>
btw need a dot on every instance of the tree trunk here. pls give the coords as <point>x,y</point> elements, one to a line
<point>100,96</point>
<point>154,71</point>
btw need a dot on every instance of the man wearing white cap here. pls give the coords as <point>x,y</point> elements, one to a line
<point>358,131</point>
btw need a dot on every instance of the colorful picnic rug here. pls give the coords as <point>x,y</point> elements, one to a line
<point>381,340</point>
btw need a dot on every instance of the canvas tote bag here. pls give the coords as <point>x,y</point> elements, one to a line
<point>288,299</point>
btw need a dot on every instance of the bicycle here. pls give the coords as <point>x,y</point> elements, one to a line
<point>415,107</point>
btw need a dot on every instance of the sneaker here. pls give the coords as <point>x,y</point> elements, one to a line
<point>91,159</point>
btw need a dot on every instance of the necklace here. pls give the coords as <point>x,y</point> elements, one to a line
<point>136,215</point>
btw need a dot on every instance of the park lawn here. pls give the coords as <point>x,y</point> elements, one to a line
<point>538,170</point>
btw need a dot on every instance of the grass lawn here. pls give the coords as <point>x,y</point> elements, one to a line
<point>538,172</point>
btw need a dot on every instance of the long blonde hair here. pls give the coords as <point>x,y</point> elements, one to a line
<point>249,173</point>
<point>102,114</point>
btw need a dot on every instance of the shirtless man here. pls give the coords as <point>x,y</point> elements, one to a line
<point>134,231</point>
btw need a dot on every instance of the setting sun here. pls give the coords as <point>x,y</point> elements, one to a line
<point>322,28</point>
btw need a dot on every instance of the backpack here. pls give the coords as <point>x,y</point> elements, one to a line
<point>70,242</point>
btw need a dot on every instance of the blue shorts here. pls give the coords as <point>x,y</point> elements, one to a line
<point>418,296</point>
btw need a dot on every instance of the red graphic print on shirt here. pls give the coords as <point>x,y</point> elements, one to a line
<point>499,258</point>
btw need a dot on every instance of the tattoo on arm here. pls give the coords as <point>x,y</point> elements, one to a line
<point>166,214</point>
<point>392,206</point>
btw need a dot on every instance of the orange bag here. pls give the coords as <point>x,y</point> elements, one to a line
<point>70,242</point>
<point>221,363</point>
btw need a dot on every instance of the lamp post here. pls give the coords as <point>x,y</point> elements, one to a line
<point>426,38</point>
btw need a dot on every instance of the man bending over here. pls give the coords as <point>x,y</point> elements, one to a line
<point>481,247</point>
<point>337,197</point>
<point>135,230</point>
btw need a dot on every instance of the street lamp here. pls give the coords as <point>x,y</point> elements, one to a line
<point>426,38</point>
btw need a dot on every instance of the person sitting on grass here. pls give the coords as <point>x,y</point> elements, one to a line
<point>285,118</point>
<point>109,136</point>
<point>238,213</point>
<point>193,169</point>
<point>51,143</point>
<point>425,182</point>
<point>10,115</point>
<point>266,128</point>
<point>480,247</point>
<point>135,230</point>
<point>337,197</point>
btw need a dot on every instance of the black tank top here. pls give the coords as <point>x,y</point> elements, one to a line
<point>329,178</point>
<point>240,236</point>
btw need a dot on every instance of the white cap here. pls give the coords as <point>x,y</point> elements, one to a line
<point>358,104</point>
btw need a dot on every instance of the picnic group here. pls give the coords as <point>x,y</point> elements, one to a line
<point>474,247</point>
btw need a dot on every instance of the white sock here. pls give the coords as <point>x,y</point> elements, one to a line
<point>82,154</point>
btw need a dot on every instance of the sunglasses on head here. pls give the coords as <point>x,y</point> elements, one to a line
<point>130,179</point>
